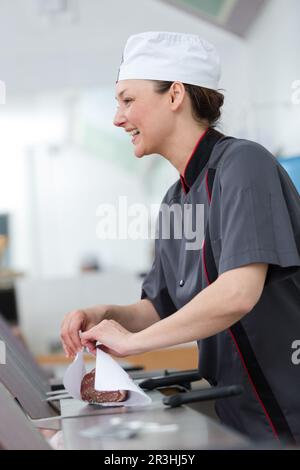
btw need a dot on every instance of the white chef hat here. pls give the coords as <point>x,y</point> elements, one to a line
<point>171,57</point>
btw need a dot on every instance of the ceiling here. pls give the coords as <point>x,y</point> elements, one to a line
<point>236,16</point>
<point>51,44</point>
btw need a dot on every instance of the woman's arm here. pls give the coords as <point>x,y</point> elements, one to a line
<point>220,305</point>
<point>134,317</point>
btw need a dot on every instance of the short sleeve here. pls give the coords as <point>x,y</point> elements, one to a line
<point>259,212</point>
<point>154,288</point>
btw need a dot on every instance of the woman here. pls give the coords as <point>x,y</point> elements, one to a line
<point>237,294</point>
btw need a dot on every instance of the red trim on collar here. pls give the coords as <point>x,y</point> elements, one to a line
<point>185,187</point>
<point>207,188</point>
<point>182,177</point>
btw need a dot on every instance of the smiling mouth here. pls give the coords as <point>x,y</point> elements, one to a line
<point>134,134</point>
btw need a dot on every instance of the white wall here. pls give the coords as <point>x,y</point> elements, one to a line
<point>69,189</point>
<point>23,125</point>
<point>42,303</point>
<point>274,64</point>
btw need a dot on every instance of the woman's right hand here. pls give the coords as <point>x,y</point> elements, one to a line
<point>76,321</point>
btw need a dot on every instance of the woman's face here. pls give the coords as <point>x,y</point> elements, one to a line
<point>144,114</point>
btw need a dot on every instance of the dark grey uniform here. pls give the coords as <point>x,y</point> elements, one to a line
<point>253,214</point>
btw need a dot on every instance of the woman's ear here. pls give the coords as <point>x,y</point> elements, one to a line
<point>177,93</point>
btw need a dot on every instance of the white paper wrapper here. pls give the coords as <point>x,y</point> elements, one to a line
<point>109,377</point>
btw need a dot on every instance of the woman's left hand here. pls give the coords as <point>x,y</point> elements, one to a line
<point>114,339</point>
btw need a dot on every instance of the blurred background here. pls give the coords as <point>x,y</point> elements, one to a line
<point>61,157</point>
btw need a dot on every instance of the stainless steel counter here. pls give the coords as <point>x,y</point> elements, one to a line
<point>150,427</point>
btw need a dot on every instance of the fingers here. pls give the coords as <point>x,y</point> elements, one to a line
<point>111,351</point>
<point>65,349</point>
<point>89,338</point>
<point>104,348</point>
<point>112,336</point>
<point>92,348</point>
<point>75,325</point>
<point>72,324</point>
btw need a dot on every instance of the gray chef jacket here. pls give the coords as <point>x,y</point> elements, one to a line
<point>251,215</point>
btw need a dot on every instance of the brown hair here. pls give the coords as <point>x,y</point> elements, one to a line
<point>206,103</point>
